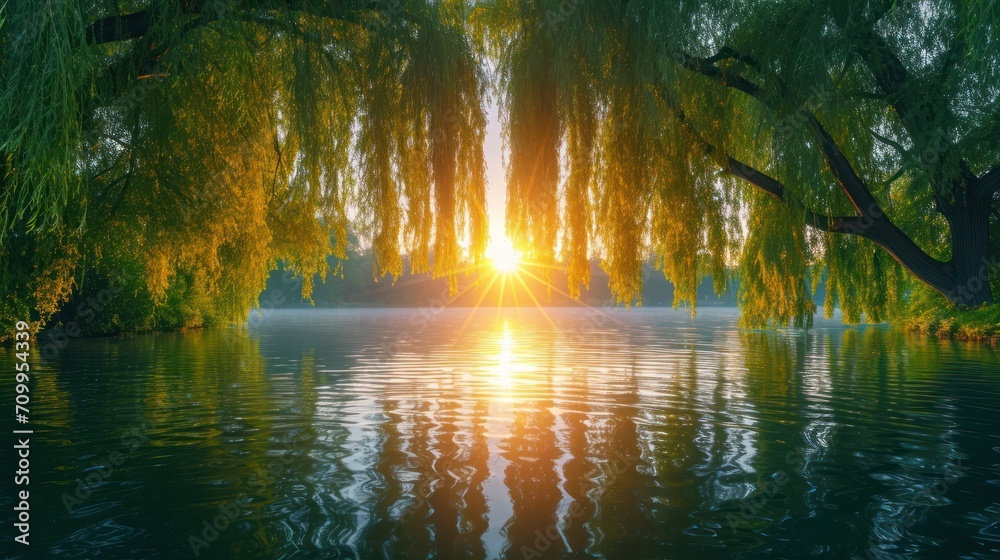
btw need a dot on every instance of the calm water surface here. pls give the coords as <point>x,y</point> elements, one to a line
<point>570,433</point>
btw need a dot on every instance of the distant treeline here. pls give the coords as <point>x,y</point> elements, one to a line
<point>354,285</point>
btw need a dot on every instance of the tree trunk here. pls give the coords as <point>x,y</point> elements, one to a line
<point>970,264</point>
<point>965,279</point>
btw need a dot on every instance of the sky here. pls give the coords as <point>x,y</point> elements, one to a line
<point>496,184</point>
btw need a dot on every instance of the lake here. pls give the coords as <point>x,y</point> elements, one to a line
<point>513,433</point>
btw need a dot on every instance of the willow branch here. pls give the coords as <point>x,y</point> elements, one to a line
<point>850,182</point>
<point>773,187</point>
<point>708,68</point>
<point>768,184</point>
<point>118,28</point>
<point>855,187</point>
<point>891,143</point>
<point>917,115</point>
<point>872,224</point>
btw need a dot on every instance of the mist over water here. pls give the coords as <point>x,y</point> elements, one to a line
<point>515,433</point>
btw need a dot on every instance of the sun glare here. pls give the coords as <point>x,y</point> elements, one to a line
<point>504,256</point>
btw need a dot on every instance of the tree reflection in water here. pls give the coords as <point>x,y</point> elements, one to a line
<point>523,437</point>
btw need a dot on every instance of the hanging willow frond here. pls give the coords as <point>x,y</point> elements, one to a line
<point>205,141</point>
<point>680,110</point>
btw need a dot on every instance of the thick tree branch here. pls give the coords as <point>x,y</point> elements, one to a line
<point>890,76</point>
<point>118,28</point>
<point>729,53</point>
<point>871,224</point>
<point>875,227</point>
<point>770,185</point>
<point>891,143</point>
<point>131,26</point>
<point>707,67</point>
<point>773,187</point>
<point>855,188</point>
<point>918,115</point>
<point>988,184</point>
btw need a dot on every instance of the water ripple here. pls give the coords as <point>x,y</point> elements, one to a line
<point>568,433</point>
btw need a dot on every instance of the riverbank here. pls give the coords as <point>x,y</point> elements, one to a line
<point>976,325</point>
<point>973,325</point>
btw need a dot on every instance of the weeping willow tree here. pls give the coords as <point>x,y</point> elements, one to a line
<point>175,150</point>
<point>794,139</point>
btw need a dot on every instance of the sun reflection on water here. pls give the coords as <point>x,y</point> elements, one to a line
<point>510,369</point>
<point>503,436</point>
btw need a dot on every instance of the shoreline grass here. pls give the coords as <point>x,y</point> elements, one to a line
<point>980,324</point>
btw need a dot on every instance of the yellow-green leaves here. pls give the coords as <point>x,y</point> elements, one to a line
<point>220,143</point>
<point>773,268</point>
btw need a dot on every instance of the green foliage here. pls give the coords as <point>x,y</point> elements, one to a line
<point>588,132</point>
<point>218,137</point>
<point>221,137</point>
<point>675,91</point>
<point>773,269</point>
<point>930,314</point>
<point>44,67</point>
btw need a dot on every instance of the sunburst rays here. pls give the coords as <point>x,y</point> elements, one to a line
<point>507,279</point>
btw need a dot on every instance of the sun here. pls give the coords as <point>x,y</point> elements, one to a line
<point>504,256</point>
